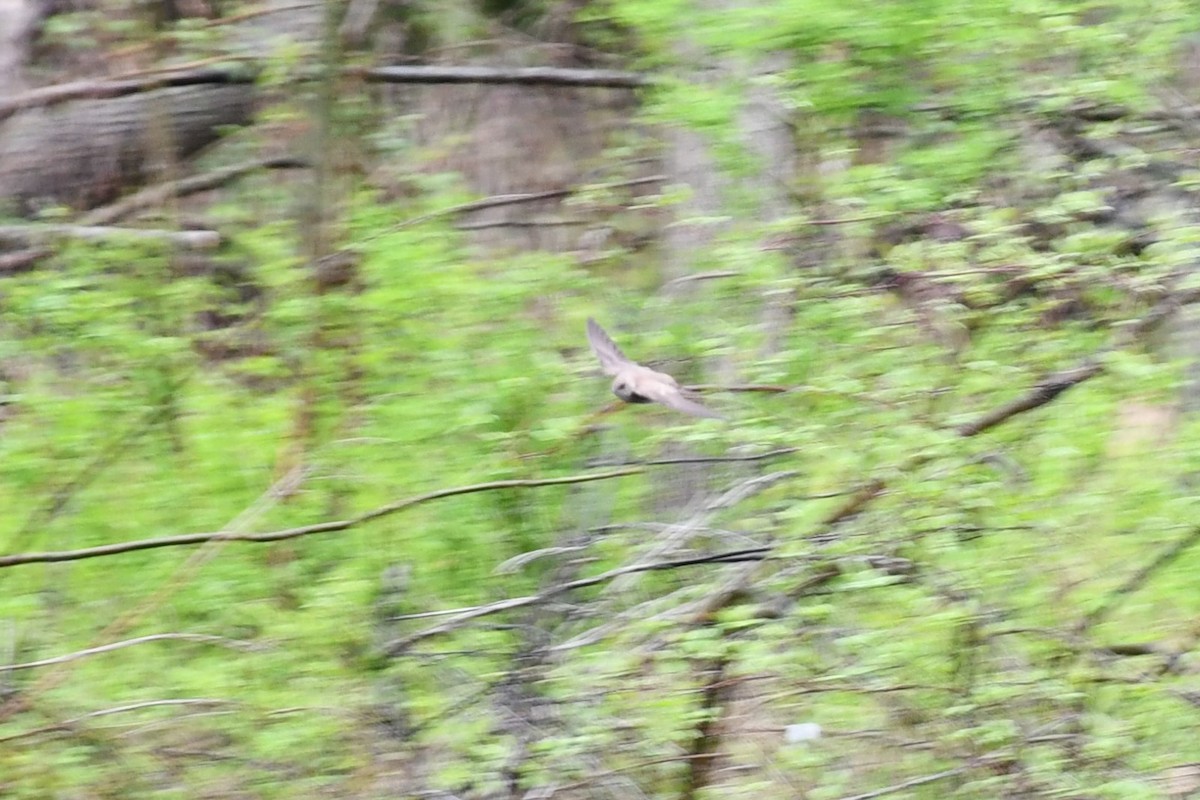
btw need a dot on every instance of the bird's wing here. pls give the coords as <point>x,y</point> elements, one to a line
<point>611,357</point>
<point>664,390</point>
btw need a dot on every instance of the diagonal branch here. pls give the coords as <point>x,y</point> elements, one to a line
<point>156,195</point>
<point>1055,384</point>
<point>105,89</point>
<point>1042,393</point>
<point>464,615</point>
<point>1139,578</point>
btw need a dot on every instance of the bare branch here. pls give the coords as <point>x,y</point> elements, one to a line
<point>519,223</point>
<point>716,274</point>
<point>22,260</point>
<point>1055,384</point>
<point>1042,393</point>
<point>92,90</point>
<point>156,637</point>
<point>305,530</point>
<point>464,615</point>
<point>156,195</point>
<point>677,534</point>
<point>40,234</point>
<point>524,76</point>
<point>226,76</point>
<point>500,200</point>
<point>109,454</point>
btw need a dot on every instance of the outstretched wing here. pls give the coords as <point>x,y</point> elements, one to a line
<point>670,395</point>
<point>611,357</point>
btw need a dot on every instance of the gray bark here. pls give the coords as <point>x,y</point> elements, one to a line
<point>82,153</point>
<point>17,18</point>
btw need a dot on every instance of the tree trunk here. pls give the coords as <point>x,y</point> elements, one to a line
<point>82,153</point>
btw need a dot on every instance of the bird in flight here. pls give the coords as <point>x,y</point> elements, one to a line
<point>634,383</point>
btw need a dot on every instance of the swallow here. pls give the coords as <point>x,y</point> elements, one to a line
<point>634,383</point>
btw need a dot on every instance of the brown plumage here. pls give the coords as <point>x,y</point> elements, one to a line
<point>634,383</point>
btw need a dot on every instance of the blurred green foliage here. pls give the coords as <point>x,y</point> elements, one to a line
<point>446,366</point>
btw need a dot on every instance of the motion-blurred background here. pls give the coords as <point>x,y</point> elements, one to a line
<point>310,486</point>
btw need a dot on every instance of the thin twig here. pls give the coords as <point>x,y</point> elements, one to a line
<point>42,233</point>
<point>463,615</point>
<point>519,223</point>
<point>497,201</point>
<point>22,260</point>
<point>671,539</point>
<point>1042,393</point>
<point>155,195</point>
<point>523,76</point>
<point>1055,384</point>
<point>304,530</point>
<point>104,89</point>
<point>703,276</point>
<point>155,637</point>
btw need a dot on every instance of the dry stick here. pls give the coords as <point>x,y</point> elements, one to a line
<point>154,195</point>
<point>1042,393</point>
<point>774,388</point>
<point>857,502</point>
<point>672,538</point>
<point>35,234</point>
<point>218,76</point>
<point>716,274</point>
<point>899,787</point>
<point>154,637</point>
<point>524,76</point>
<point>499,200</point>
<point>1055,384</point>
<point>105,89</point>
<point>464,615</point>
<point>304,530</point>
<point>23,260</point>
<point>695,611</point>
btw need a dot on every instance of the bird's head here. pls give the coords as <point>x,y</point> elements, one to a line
<point>623,388</point>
